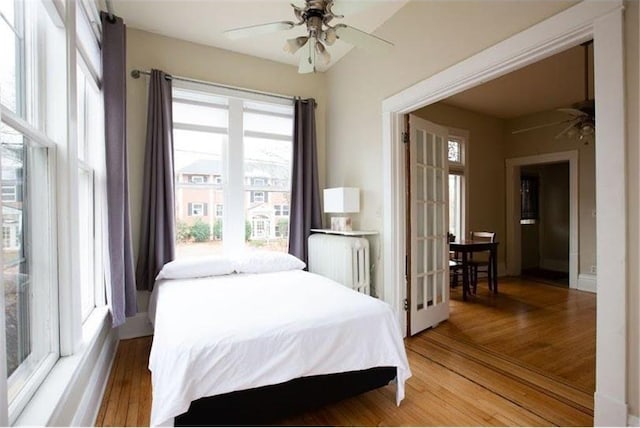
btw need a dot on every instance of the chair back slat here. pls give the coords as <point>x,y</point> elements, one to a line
<point>483,236</point>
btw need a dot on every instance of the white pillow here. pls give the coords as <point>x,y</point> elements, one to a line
<point>197,267</point>
<point>267,261</point>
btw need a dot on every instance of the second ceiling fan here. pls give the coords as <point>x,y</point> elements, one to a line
<point>317,15</point>
<point>582,123</point>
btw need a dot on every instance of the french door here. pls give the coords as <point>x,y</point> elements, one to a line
<point>428,200</point>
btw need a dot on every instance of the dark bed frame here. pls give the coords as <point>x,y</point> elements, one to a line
<point>268,404</point>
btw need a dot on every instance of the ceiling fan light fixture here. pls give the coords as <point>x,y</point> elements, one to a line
<point>329,36</point>
<point>325,57</point>
<point>587,129</point>
<point>293,45</point>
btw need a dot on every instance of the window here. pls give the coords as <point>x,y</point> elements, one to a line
<point>260,227</point>
<point>246,139</point>
<point>90,143</point>
<point>8,193</point>
<point>456,186</point>
<point>12,66</point>
<point>197,209</point>
<point>282,228</point>
<point>281,210</point>
<point>258,197</point>
<point>33,127</point>
<point>198,179</point>
<point>35,82</point>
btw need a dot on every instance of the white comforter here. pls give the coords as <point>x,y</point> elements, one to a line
<point>234,332</point>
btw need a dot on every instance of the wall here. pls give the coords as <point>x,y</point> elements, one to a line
<point>542,141</point>
<point>430,37</point>
<point>485,183</point>
<point>147,50</point>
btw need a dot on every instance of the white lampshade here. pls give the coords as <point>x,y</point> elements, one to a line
<point>342,200</point>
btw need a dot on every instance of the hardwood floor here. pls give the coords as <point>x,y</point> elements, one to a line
<point>524,357</point>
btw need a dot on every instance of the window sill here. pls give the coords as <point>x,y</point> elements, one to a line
<point>56,392</point>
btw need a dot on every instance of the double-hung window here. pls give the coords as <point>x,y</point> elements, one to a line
<point>244,141</point>
<point>50,171</point>
<point>32,123</point>
<point>456,158</point>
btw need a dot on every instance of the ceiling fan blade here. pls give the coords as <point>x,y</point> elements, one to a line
<point>362,39</point>
<point>573,111</point>
<point>257,30</point>
<point>545,125</point>
<point>567,129</point>
<point>308,58</point>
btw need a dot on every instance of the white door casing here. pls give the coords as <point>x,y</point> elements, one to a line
<point>602,22</point>
<point>429,300</point>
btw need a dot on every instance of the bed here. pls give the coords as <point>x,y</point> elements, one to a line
<point>249,335</point>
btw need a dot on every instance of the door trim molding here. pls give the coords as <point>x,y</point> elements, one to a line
<point>602,22</point>
<point>513,236</point>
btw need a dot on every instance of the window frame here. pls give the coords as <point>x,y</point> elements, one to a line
<point>233,180</point>
<point>192,209</point>
<point>460,169</point>
<point>14,193</point>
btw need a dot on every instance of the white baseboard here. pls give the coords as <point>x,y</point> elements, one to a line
<point>558,265</point>
<point>89,406</point>
<point>588,282</point>
<point>609,412</point>
<point>136,326</point>
<point>634,421</point>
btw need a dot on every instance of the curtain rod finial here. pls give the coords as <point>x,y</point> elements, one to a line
<point>135,74</point>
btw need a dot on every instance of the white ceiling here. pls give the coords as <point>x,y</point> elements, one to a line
<point>204,21</point>
<point>554,82</point>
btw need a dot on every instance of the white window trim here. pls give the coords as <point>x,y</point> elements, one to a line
<point>461,168</point>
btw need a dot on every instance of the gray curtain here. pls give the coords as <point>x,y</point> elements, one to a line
<point>157,229</point>
<point>122,290</point>
<point>305,211</point>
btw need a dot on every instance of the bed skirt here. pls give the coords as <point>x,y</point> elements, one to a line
<point>267,404</point>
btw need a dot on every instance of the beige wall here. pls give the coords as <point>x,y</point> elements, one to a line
<point>429,37</point>
<point>543,141</point>
<point>485,182</point>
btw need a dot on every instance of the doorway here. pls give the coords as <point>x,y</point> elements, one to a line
<point>601,22</point>
<point>515,228</point>
<point>544,223</point>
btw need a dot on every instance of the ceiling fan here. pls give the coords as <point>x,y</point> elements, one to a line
<point>582,123</point>
<point>317,16</point>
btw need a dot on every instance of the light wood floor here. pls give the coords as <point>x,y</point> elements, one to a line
<point>524,357</point>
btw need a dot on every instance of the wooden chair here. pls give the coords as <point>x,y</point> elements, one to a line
<point>482,262</point>
<point>455,269</point>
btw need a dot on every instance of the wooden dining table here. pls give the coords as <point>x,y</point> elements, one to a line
<point>465,248</point>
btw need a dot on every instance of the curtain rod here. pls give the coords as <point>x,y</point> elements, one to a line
<point>110,13</point>
<point>135,73</point>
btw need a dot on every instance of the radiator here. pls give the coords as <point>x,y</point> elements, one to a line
<point>344,259</point>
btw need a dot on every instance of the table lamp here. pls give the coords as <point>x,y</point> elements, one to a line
<point>341,200</point>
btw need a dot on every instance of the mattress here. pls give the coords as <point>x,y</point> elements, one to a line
<point>234,332</point>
